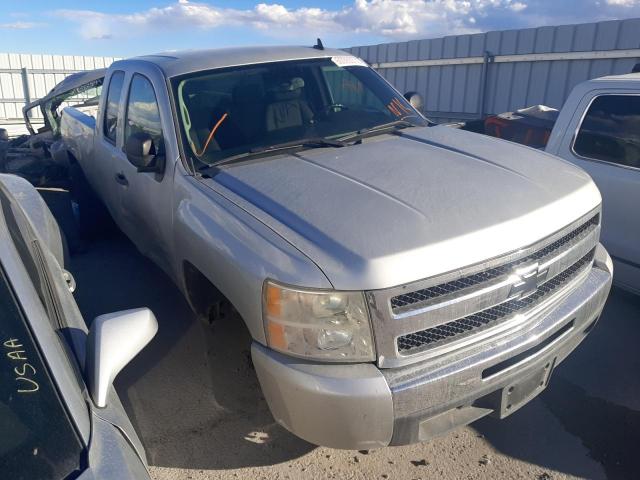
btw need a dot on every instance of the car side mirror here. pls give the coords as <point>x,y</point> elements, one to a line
<point>113,340</point>
<point>141,152</point>
<point>415,99</point>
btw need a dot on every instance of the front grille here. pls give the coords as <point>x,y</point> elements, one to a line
<point>411,300</point>
<point>494,315</point>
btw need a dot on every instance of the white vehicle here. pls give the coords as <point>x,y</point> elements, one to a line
<point>598,129</point>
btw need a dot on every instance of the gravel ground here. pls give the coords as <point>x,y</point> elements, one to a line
<point>195,401</point>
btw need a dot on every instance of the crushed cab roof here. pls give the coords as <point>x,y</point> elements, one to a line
<point>74,80</point>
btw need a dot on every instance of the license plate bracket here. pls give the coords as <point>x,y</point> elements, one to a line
<point>519,393</point>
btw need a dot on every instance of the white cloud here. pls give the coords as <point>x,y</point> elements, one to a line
<point>519,6</point>
<point>19,25</point>
<point>387,18</point>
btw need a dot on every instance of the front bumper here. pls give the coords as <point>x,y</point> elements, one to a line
<point>358,406</point>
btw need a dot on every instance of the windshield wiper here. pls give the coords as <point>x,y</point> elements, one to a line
<point>315,142</point>
<point>377,130</point>
<point>275,149</point>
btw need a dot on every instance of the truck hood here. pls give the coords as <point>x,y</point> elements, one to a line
<point>399,208</point>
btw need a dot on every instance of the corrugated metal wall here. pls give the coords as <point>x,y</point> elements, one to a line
<point>455,91</point>
<point>529,67</point>
<point>43,72</point>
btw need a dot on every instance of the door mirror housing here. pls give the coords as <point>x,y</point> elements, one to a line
<point>114,339</point>
<point>142,153</point>
<point>415,99</point>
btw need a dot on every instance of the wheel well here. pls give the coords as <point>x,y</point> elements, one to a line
<point>203,296</point>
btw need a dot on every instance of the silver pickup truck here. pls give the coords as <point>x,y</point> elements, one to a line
<point>399,279</point>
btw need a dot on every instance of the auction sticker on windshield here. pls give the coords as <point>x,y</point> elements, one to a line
<point>348,61</point>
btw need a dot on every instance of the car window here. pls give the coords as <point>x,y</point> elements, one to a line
<point>38,439</point>
<point>143,114</point>
<point>113,105</point>
<point>610,130</point>
<point>231,111</point>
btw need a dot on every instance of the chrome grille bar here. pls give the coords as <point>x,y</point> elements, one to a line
<point>477,302</point>
<point>413,300</point>
<point>486,318</point>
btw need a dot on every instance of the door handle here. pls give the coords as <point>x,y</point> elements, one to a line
<point>121,179</point>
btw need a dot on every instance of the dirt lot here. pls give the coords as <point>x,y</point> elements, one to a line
<point>197,406</point>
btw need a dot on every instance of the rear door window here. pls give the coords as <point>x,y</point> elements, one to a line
<point>112,105</point>
<point>610,130</point>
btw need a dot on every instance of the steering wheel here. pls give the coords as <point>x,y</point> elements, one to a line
<point>334,107</point>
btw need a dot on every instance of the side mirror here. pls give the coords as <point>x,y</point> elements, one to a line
<point>114,339</point>
<point>141,152</point>
<point>415,99</point>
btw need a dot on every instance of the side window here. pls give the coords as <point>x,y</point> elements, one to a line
<point>611,130</point>
<point>113,106</point>
<point>143,115</point>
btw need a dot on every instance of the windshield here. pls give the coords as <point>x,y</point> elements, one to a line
<point>231,111</point>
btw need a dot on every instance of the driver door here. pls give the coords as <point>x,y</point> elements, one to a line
<point>144,211</point>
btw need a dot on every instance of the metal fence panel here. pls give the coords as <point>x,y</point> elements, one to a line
<point>29,77</point>
<point>524,67</point>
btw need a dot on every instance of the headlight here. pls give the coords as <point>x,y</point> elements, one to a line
<point>324,325</point>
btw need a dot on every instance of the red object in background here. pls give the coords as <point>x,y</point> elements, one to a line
<point>531,127</point>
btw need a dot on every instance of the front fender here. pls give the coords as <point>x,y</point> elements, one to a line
<point>235,251</point>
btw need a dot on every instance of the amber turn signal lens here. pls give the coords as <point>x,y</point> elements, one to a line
<point>273,297</point>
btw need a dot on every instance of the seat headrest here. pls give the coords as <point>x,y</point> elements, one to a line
<point>288,90</point>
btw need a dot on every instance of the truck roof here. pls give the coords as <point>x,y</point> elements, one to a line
<point>175,63</point>
<point>627,77</point>
<point>626,81</point>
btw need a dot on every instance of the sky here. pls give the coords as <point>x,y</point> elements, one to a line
<point>132,27</point>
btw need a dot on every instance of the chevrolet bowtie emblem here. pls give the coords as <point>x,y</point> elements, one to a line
<point>526,280</point>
